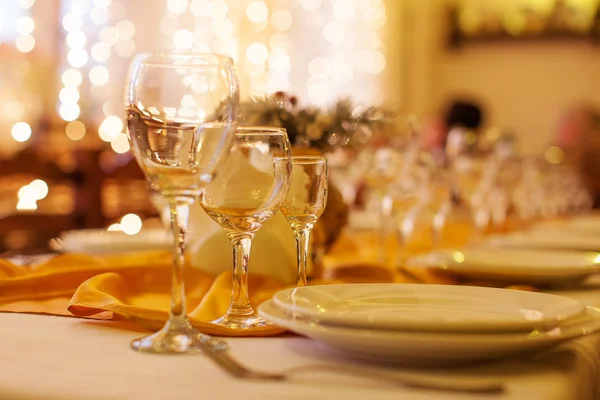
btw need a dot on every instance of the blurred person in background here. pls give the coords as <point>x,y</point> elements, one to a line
<point>577,143</point>
<point>453,132</point>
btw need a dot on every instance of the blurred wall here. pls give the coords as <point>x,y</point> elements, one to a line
<point>525,85</point>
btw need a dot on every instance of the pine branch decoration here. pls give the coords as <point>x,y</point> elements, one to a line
<point>343,125</point>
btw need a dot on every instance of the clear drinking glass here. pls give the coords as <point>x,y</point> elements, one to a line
<point>385,169</point>
<point>305,203</point>
<point>251,188</point>
<point>181,111</point>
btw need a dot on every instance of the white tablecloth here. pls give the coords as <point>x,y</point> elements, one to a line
<point>47,357</point>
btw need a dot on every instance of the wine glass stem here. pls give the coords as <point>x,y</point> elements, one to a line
<point>386,212</point>
<point>302,235</point>
<point>240,301</point>
<point>180,212</point>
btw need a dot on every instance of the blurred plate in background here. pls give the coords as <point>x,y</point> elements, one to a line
<point>101,241</point>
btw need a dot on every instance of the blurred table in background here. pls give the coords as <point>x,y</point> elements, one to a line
<point>43,194</point>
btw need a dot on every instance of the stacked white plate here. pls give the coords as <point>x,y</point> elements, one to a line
<point>579,225</point>
<point>513,266</point>
<point>549,238</point>
<point>433,325</point>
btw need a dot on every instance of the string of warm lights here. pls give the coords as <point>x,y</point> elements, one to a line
<point>95,55</point>
<point>24,27</point>
<point>342,53</point>
<point>319,50</point>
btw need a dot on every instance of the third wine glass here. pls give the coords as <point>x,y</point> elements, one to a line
<point>304,204</point>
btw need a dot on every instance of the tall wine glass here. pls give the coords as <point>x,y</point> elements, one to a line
<point>181,112</point>
<point>305,203</point>
<point>251,188</point>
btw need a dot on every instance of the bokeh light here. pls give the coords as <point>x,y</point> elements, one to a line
<point>125,48</point>
<point>21,131</point>
<point>257,11</point>
<point>77,58</point>
<point>72,78</point>
<point>111,127</point>
<point>100,16</point>
<point>40,188</point>
<point>126,29</point>
<point>199,8</point>
<point>69,94</point>
<point>102,3</point>
<point>257,53</point>
<point>310,5</point>
<point>100,52</point>
<point>281,20</point>
<point>27,198</point>
<point>120,144</point>
<point>183,39</point>
<point>25,4</point>
<point>115,228</point>
<point>131,224</point>
<point>177,6</point>
<point>319,67</point>
<point>69,111</point>
<point>25,43</point>
<point>109,35</point>
<point>72,22</point>
<point>76,39</point>
<point>75,130</point>
<point>218,9</point>
<point>25,25</point>
<point>334,32</point>
<point>99,75</point>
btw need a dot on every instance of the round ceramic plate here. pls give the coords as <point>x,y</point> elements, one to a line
<point>513,265</point>
<point>101,241</point>
<point>426,348</point>
<point>552,239</point>
<point>432,308</point>
<point>585,223</point>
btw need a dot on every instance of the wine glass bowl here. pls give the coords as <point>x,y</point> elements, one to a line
<point>250,188</point>
<point>181,111</point>
<point>304,204</point>
<point>307,197</point>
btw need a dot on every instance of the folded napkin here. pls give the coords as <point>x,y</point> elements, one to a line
<point>136,287</point>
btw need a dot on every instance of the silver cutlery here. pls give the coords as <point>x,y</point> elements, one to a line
<point>217,352</point>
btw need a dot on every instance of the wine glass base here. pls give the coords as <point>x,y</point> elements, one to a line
<point>173,338</point>
<point>242,322</point>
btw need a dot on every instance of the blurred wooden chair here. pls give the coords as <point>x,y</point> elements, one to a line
<point>94,191</point>
<point>123,188</point>
<point>62,210</point>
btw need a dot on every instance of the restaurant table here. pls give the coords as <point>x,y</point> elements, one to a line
<point>50,357</point>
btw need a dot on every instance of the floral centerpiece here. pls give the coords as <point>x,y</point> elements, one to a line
<point>344,125</point>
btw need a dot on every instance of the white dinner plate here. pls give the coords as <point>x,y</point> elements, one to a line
<point>585,223</point>
<point>426,348</point>
<point>432,308</point>
<point>532,266</point>
<point>554,239</point>
<point>101,241</point>
<point>588,224</point>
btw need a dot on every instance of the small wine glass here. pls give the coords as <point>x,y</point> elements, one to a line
<point>305,203</point>
<point>251,188</point>
<point>181,111</point>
